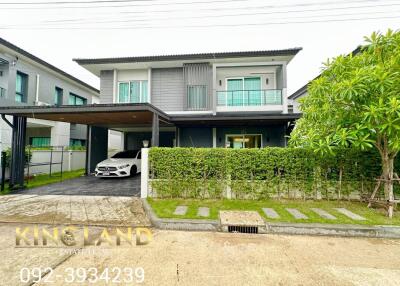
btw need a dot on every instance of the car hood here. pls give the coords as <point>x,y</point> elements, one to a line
<point>116,162</point>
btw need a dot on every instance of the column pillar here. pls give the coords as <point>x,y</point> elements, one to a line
<point>155,131</point>
<point>17,163</point>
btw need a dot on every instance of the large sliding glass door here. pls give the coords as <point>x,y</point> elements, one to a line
<point>244,141</point>
<point>243,91</point>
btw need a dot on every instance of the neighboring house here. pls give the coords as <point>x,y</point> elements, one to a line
<point>26,80</point>
<point>294,98</point>
<point>303,91</point>
<point>234,99</point>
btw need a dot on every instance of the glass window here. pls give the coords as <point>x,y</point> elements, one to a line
<point>126,154</point>
<point>244,141</point>
<point>235,92</point>
<point>252,87</point>
<point>76,100</point>
<point>197,97</point>
<point>243,91</point>
<point>77,142</point>
<point>58,96</point>
<point>135,91</point>
<point>39,141</point>
<point>144,91</point>
<point>123,96</point>
<point>21,86</point>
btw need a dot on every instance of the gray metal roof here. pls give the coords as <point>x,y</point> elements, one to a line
<point>46,64</point>
<point>202,56</point>
<point>300,91</point>
<point>91,113</point>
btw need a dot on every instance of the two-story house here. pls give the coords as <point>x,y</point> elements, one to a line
<point>27,80</point>
<point>234,99</point>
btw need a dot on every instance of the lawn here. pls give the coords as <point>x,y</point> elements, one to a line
<point>164,208</point>
<point>45,179</point>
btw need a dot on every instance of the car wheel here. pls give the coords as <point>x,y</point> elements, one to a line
<point>133,171</point>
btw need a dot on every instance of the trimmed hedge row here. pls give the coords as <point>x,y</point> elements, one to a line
<point>261,173</point>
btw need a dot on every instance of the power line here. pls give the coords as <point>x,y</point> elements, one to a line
<point>183,3</point>
<point>63,21</point>
<point>207,26</point>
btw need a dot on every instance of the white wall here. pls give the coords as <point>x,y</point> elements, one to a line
<point>263,72</point>
<point>73,160</point>
<point>127,75</point>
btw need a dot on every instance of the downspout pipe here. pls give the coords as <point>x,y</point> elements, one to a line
<point>3,116</point>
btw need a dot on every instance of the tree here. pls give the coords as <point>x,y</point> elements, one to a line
<point>356,102</point>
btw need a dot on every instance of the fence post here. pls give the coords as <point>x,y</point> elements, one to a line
<point>3,169</point>
<point>144,173</point>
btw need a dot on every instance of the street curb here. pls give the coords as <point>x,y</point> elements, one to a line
<point>179,224</point>
<point>378,231</point>
<point>316,229</point>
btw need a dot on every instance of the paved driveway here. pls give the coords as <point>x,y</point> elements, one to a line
<point>81,210</point>
<point>84,201</point>
<point>91,186</point>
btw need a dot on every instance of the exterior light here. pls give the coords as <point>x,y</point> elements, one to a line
<point>145,143</point>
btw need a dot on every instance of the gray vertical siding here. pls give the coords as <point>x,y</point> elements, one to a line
<point>106,86</point>
<point>167,89</point>
<point>198,74</point>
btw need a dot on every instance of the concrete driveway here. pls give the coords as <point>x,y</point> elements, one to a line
<point>83,201</point>
<point>90,186</point>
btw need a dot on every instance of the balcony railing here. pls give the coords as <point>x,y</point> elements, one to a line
<point>249,97</point>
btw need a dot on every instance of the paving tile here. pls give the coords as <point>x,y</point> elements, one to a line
<point>203,211</point>
<point>350,214</point>
<point>297,214</point>
<point>180,210</point>
<point>322,213</point>
<point>271,213</point>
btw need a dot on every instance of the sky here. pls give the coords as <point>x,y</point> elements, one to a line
<point>60,30</point>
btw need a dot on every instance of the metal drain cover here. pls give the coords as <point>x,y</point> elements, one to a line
<point>241,221</point>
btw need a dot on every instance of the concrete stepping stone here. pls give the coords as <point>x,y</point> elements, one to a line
<point>203,211</point>
<point>271,213</point>
<point>323,214</point>
<point>180,210</point>
<point>350,214</point>
<point>297,214</point>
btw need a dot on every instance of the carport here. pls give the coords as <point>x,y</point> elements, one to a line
<point>98,117</point>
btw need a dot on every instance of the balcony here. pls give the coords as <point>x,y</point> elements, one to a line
<point>249,100</point>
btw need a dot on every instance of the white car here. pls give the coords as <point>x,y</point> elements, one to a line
<point>122,164</point>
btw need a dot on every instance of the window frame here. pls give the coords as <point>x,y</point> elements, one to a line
<point>253,134</point>
<point>24,88</point>
<point>57,96</point>
<point>203,86</point>
<point>242,78</point>
<point>129,90</point>
<point>75,97</point>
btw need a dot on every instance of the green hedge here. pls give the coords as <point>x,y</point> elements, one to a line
<point>262,173</point>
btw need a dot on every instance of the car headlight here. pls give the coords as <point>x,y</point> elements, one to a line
<point>123,166</point>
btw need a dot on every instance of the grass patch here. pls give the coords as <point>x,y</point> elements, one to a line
<point>164,208</point>
<point>45,179</point>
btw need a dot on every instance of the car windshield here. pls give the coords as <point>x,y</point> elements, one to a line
<point>126,154</point>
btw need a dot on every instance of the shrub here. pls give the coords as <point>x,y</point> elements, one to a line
<point>261,173</point>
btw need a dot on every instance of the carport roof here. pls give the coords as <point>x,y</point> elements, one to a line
<point>134,114</point>
<point>107,115</point>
